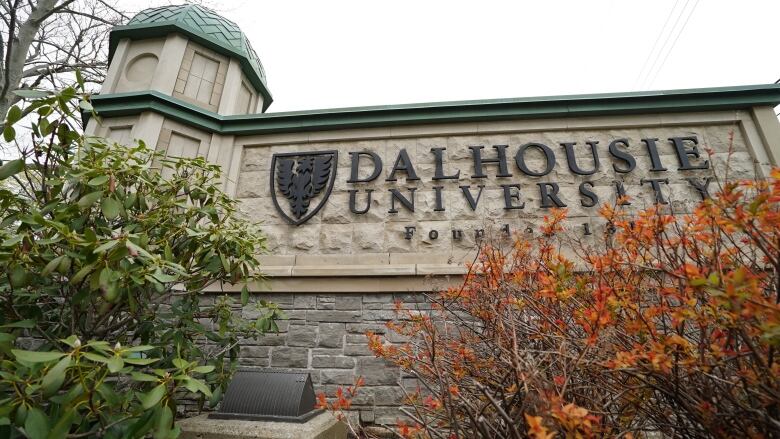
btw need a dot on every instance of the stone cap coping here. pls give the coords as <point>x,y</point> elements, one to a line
<point>369,264</point>
<point>322,426</point>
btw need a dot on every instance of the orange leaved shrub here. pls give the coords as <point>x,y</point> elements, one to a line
<point>666,324</point>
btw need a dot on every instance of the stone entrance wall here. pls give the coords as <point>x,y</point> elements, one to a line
<point>670,155</point>
<point>340,274</point>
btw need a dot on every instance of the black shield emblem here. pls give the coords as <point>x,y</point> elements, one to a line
<point>305,180</point>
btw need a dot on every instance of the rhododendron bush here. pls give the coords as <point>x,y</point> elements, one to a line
<point>664,323</point>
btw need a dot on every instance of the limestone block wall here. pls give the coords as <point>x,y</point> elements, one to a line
<point>325,336</point>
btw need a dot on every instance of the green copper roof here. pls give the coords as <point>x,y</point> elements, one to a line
<point>202,25</point>
<point>605,104</point>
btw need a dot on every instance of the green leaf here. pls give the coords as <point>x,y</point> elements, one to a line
<point>71,341</point>
<point>11,167</point>
<point>24,324</point>
<point>138,376</point>
<point>180,363</point>
<point>136,250</point>
<point>64,266</point>
<point>79,78</point>
<point>35,356</point>
<point>62,427</point>
<point>216,396</point>
<point>244,295</point>
<point>697,282</point>
<point>19,277</point>
<point>95,357</point>
<point>203,369</point>
<point>142,425</point>
<point>10,242</point>
<point>141,361</point>
<point>89,199</point>
<point>111,208</point>
<point>102,248</point>
<point>98,181</point>
<point>112,291</point>
<point>52,265</point>
<point>9,133</point>
<point>36,426</point>
<point>115,364</point>
<point>30,94</point>
<point>164,278</point>
<point>164,423</point>
<point>225,263</point>
<point>54,378</point>
<point>84,105</point>
<point>141,348</point>
<point>14,114</point>
<point>151,398</point>
<point>195,385</point>
<point>83,272</point>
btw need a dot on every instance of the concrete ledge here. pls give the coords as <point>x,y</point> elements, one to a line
<point>441,269</point>
<point>353,270</point>
<point>366,265</point>
<point>277,270</point>
<point>364,270</point>
<point>347,284</point>
<point>322,426</point>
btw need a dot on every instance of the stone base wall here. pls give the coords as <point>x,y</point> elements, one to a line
<point>324,335</point>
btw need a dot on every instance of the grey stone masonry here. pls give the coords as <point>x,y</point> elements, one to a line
<point>324,335</point>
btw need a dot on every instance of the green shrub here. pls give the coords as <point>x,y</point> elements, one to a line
<point>106,251</point>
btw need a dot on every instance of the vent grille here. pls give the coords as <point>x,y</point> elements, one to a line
<point>268,395</point>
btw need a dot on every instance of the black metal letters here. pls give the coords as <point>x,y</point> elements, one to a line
<point>510,197</point>
<point>684,154</point>
<point>628,159</point>
<point>479,161</point>
<point>572,160</point>
<point>548,155</point>
<point>355,166</point>
<point>403,163</point>
<point>301,183</point>
<point>438,174</point>
<point>408,203</point>
<point>652,149</point>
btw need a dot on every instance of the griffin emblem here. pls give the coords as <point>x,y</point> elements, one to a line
<point>300,178</point>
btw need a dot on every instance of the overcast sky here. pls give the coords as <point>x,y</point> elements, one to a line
<point>325,54</point>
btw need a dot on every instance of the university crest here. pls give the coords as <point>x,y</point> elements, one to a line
<point>304,180</point>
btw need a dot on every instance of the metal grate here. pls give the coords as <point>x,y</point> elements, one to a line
<point>268,395</point>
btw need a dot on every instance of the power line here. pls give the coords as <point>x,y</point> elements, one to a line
<point>655,44</point>
<point>671,48</point>
<point>666,42</point>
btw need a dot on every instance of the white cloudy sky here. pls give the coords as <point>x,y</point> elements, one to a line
<point>323,54</point>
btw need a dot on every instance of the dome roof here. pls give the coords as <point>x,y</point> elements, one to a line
<point>203,26</point>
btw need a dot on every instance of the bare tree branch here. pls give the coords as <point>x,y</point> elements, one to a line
<point>42,42</point>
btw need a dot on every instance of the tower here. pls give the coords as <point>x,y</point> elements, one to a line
<point>189,56</point>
